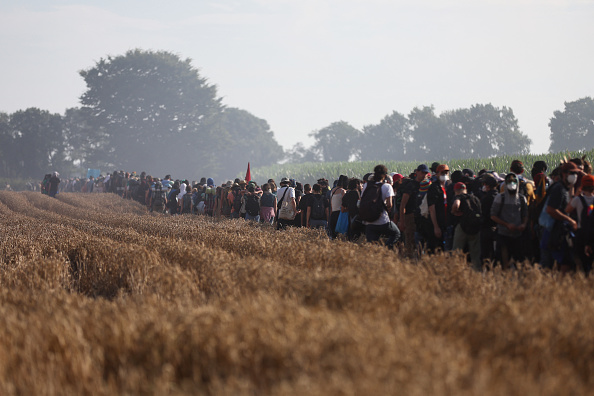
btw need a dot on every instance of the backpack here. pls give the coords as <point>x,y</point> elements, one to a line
<point>252,205</point>
<point>172,199</point>
<point>187,203</point>
<point>372,205</point>
<point>158,197</point>
<point>318,211</point>
<point>472,218</point>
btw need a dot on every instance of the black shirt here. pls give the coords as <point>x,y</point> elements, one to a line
<point>411,188</point>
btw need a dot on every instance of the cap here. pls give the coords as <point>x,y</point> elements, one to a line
<point>284,180</point>
<point>460,186</point>
<point>423,168</point>
<point>489,180</point>
<point>569,167</point>
<point>442,167</point>
<point>397,177</point>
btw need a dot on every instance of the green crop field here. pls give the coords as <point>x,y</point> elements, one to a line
<point>310,172</point>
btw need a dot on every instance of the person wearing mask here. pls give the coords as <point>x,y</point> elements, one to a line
<point>489,227</point>
<point>553,245</point>
<point>510,212</point>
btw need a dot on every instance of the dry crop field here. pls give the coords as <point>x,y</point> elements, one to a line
<point>99,297</point>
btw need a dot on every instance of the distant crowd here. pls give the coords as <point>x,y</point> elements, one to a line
<point>495,218</point>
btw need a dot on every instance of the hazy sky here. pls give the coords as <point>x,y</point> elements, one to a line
<point>303,64</point>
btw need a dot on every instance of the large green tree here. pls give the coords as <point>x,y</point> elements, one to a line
<point>32,143</point>
<point>389,139</point>
<point>336,142</point>
<point>155,111</point>
<point>573,128</point>
<point>429,135</point>
<point>483,131</point>
<point>246,138</point>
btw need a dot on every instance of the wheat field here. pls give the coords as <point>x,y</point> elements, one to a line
<point>98,297</point>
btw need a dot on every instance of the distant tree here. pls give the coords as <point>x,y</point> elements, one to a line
<point>5,145</point>
<point>32,143</point>
<point>155,111</point>
<point>573,128</point>
<point>85,142</point>
<point>247,138</point>
<point>483,131</point>
<point>390,139</point>
<point>336,142</point>
<point>429,135</point>
<point>299,154</point>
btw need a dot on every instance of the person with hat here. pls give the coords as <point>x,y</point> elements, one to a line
<point>408,207</point>
<point>437,201</point>
<point>510,212</point>
<point>467,231</point>
<point>553,244</point>
<point>285,193</point>
<point>583,205</point>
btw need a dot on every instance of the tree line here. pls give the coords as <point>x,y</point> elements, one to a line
<point>153,111</point>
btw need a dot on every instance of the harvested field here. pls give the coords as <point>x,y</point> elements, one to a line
<point>99,297</point>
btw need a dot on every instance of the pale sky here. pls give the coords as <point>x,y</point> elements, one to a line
<point>304,64</point>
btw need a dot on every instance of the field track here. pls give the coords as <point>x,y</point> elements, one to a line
<point>98,297</point>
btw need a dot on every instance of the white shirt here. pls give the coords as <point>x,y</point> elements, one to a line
<point>387,192</point>
<point>290,194</point>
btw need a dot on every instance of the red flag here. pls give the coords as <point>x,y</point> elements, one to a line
<point>248,175</point>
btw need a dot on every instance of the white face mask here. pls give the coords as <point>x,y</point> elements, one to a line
<point>571,179</point>
<point>484,189</point>
<point>512,186</point>
<point>444,178</point>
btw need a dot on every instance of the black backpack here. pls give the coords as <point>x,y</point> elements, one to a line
<point>472,218</point>
<point>159,197</point>
<point>372,205</point>
<point>318,211</point>
<point>252,205</point>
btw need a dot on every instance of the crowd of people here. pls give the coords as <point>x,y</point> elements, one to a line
<point>495,218</point>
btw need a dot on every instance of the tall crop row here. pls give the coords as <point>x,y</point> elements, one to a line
<point>310,172</point>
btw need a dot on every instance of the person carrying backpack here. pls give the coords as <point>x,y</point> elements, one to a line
<point>186,201</point>
<point>286,204</point>
<point>583,205</point>
<point>467,233</point>
<point>252,204</point>
<point>408,207</point>
<point>510,212</point>
<point>317,209</point>
<point>375,207</point>
<point>172,199</point>
<point>488,227</point>
<point>437,203</point>
<point>158,199</point>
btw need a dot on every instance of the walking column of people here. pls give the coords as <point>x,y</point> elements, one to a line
<point>495,218</point>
